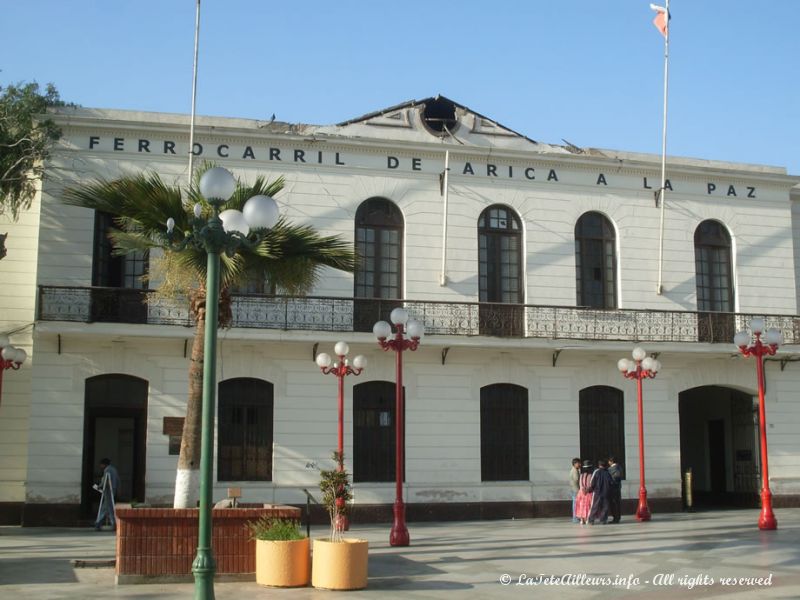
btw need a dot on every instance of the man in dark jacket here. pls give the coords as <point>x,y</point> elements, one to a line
<point>108,488</point>
<point>601,486</point>
<point>615,501</point>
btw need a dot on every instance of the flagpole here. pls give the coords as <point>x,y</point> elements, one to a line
<point>194,90</point>
<point>663,190</point>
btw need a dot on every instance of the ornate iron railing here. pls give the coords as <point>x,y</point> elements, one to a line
<point>119,305</point>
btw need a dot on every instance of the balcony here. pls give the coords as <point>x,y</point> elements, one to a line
<point>315,313</point>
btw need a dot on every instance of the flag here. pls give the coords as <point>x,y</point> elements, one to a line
<point>662,19</point>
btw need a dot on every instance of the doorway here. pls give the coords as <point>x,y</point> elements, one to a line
<point>718,431</point>
<point>374,431</point>
<point>114,427</point>
<point>716,456</point>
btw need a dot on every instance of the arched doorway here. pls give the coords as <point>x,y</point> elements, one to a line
<point>114,427</point>
<point>602,424</point>
<point>245,430</point>
<point>374,433</point>
<point>718,429</point>
<point>504,433</point>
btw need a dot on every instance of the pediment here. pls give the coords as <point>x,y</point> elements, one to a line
<point>434,119</point>
<point>396,118</point>
<point>485,126</point>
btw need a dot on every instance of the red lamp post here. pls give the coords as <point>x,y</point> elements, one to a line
<point>340,370</point>
<point>759,349</point>
<point>399,344</point>
<point>10,358</point>
<point>641,367</point>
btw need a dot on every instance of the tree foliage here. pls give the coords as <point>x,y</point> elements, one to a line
<point>290,257</point>
<point>25,142</point>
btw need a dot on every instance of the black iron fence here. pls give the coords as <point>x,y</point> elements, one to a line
<point>119,305</point>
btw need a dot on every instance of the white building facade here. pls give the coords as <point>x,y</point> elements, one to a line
<point>533,267</point>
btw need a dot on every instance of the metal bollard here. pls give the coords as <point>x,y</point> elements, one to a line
<point>308,515</point>
<point>687,490</point>
<point>309,499</point>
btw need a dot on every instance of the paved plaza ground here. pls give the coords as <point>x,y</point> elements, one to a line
<point>700,555</point>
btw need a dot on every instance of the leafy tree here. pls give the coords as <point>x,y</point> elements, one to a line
<point>290,258</point>
<point>25,142</point>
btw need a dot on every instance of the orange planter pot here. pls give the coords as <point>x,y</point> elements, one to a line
<point>284,563</point>
<point>341,565</point>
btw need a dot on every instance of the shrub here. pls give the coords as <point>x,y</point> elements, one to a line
<point>335,486</point>
<point>272,529</point>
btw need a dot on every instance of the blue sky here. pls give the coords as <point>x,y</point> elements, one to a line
<point>587,72</point>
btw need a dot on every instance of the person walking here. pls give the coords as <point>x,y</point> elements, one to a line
<point>109,485</point>
<point>615,499</point>
<point>574,482</point>
<point>583,501</point>
<point>601,492</point>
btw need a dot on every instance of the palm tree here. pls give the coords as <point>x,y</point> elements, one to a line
<point>290,258</point>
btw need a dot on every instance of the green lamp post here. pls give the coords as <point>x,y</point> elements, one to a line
<point>224,231</point>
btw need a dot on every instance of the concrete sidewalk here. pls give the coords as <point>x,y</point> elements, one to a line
<point>673,556</point>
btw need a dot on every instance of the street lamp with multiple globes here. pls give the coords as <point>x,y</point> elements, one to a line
<point>340,370</point>
<point>224,231</point>
<point>641,367</point>
<point>11,357</point>
<point>399,344</point>
<point>759,349</point>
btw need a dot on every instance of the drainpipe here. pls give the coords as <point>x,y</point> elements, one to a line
<point>445,192</point>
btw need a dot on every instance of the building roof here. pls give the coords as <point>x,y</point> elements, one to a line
<point>413,123</point>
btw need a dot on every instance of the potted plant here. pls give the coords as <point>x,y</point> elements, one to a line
<point>282,557</point>
<point>338,563</point>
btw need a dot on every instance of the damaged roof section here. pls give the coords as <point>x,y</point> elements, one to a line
<point>437,117</point>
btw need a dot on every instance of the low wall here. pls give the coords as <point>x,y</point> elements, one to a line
<point>159,544</point>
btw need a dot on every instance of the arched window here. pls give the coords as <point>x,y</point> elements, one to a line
<point>500,272</point>
<point>109,270</point>
<point>254,283</point>
<point>504,433</point>
<point>595,262</point>
<point>126,302</point>
<point>374,437</point>
<point>713,270</point>
<point>379,238</point>
<point>602,424</point>
<point>500,256</point>
<point>379,268</point>
<point>244,438</point>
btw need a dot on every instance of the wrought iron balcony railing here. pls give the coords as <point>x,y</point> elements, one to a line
<point>120,305</point>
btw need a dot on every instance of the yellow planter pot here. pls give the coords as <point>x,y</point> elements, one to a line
<point>282,563</point>
<point>341,565</point>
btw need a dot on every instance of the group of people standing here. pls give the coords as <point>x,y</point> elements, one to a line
<point>596,493</point>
